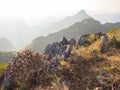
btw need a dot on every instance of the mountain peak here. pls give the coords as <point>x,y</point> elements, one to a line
<point>81,12</point>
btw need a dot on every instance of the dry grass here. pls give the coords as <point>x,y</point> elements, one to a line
<point>2,68</point>
<point>86,69</point>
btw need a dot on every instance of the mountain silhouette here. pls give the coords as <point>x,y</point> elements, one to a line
<point>6,45</point>
<point>84,27</point>
<point>67,21</point>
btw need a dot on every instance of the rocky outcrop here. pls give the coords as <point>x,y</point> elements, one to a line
<point>98,34</point>
<point>62,50</point>
<point>104,43</point>
<point>67,52</point>
<point>82,41</point>
<point>63,41</point>
<point>63,47</point>
<point>72,41</point>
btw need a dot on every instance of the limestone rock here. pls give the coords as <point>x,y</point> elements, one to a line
<point>98,34</point>
<point>67,52</point>
<point>81,41</point>
<point>57,48</point>
<point>104,43</point>
<point>85,35</point>
<point>6,82</point>
<point>72,41</point>
<point>53,49</point>
<point>63,41</point>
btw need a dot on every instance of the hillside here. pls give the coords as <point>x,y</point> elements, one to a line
<point>91,62</point>
<point>6,45</point>
<point>84,27</point>
<point>6,56</point>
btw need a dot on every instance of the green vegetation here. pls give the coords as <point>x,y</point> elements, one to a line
<point>2,68</point>
<point>114,35</point>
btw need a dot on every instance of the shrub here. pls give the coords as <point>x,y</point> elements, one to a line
<point>114,43</point>
<point>2,68</point>
<point>28,69</point>
<point>114,38</point>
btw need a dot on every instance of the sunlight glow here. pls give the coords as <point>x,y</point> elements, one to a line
<point>60,8</point>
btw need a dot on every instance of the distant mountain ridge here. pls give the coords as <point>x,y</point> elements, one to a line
<point>6,45</point>
<point>115,17</point>
<point>21,34</point>
<point>85,27</point>
<point>67,21</point>
<point>18,30</point>
<point>5,57</point>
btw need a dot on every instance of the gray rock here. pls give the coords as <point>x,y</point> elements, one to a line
<point>47,49</point>
<point>98,34</point>
<point>67,52</point>
<point>104,40</point>
<point>6,82</point>
<point>54,64</point>
<point>54,49</point>
<point>85,35</point>
<point>72,41</point>
<point>63,48</point>
<point>81,41</point>
<point>63,41</point>
<point>57,48</point>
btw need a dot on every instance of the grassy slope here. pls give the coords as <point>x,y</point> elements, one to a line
<point>88,67</point>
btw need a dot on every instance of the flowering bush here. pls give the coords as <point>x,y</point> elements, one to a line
<point>27,69</point>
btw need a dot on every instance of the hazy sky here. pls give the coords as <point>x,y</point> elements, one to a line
<point>43,8</point>
<point>13,12</point>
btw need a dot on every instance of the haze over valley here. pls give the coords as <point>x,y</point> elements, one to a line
<point>20,32</point>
